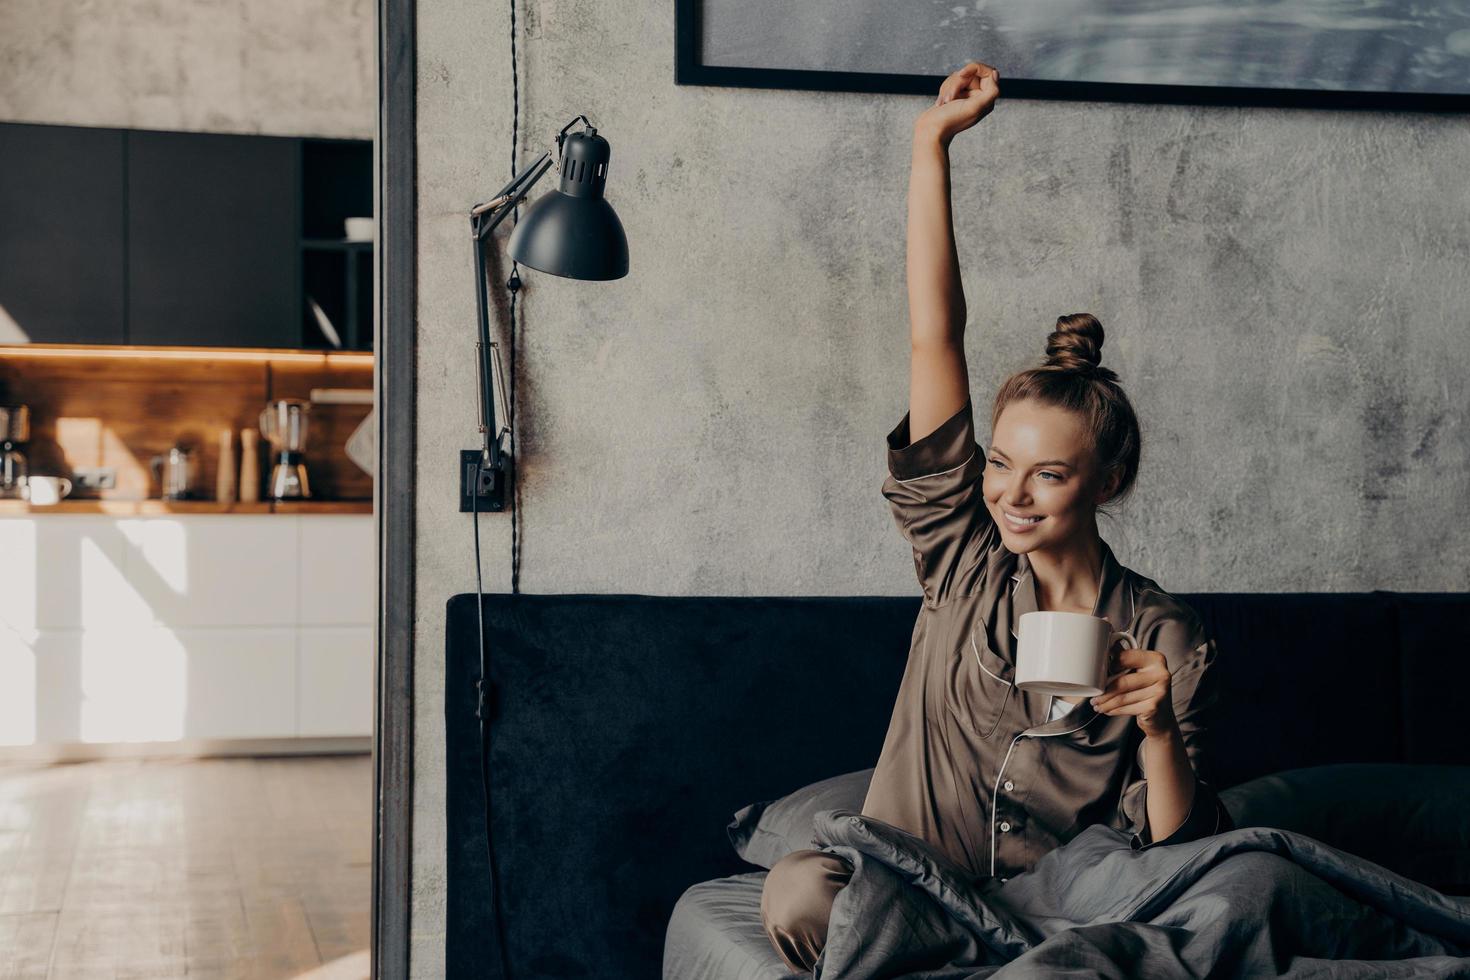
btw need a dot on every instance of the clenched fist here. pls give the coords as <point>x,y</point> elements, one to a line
<point>964,99</point>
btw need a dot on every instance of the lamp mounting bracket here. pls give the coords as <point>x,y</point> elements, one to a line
<point>480,487</point>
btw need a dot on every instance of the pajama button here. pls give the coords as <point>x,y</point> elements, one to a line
<point>1005,826</point>
<point>1009,785</point>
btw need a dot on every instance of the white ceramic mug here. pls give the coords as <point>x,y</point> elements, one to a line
<point>1065,653</point>
<point>358,229</point>
<point>47,489</point>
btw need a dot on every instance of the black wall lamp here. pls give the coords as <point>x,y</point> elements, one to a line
<point>570,232</point>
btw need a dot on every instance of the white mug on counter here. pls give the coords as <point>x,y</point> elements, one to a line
<point>1065,654</point>
<point>46,490</point>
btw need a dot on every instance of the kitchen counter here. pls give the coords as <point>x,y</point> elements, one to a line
<point>147,508</point>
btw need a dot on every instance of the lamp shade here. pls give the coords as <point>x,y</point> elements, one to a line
<point>572,231</point>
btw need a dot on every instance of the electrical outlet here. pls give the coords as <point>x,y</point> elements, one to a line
<point>490,496</point>
<point>97,478</point>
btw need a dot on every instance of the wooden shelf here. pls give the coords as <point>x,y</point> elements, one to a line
<point>151,508</point>
<point>323,506</point>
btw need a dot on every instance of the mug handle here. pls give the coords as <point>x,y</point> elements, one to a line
<point>65,487</point>
<point>1130,644</point>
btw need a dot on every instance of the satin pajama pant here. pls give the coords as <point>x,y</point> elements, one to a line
<point>796,904</point>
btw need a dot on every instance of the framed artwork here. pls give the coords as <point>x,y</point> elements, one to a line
<point>1380,54</point>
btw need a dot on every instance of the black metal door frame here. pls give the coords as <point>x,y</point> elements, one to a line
<point>395,341</point>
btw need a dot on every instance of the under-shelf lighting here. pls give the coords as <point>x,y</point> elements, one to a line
<point>259,355</point>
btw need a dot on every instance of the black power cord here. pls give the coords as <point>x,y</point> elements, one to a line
<point>514,285</point>
<point>482,685</point>
<point>482,712</point>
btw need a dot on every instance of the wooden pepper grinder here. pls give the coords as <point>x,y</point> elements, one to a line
<point>249,466</point>
<point>224,477</point>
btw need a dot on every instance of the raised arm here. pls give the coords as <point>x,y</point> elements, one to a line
<point>939,381</point>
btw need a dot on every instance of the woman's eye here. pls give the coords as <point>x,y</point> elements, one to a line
<point>1000,466</point>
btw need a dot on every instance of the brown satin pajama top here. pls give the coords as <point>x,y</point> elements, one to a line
<point>971,763</point>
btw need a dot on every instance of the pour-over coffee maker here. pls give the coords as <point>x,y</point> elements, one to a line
<point>15,432</point>
<point>283,423</point>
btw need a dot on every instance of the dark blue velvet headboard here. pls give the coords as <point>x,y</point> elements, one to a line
<point>625,731</point>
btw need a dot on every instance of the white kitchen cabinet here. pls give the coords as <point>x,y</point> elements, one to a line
<point>160,629</point>
<point>334,681</point>
<point>216,570</point>
<point>338,571</point>
<point>59,572</point>
<point>17,690</point>
<point>239,683</point>
<point>158,684</point>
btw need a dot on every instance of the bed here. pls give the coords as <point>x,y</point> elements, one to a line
<point>625,731</point>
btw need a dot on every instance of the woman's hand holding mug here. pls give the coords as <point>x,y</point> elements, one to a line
<point>965,97</point>
<point>1142,689</point>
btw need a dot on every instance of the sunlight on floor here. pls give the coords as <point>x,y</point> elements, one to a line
<point>353,966</point>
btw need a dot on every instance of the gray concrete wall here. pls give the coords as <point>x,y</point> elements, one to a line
<point>1284,290</point>
<point>280,67</point>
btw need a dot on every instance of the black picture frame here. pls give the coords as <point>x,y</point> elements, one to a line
<point>689,69</point>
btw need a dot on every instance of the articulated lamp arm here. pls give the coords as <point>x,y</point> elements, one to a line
<point>483,220</point>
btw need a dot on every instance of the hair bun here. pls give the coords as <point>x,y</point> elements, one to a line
<point>1076,343</point>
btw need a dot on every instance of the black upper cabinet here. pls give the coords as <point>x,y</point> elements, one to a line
<point>212,240</point>
<point>337,274</point>
<point>61,235</point>
<point>115,236</point>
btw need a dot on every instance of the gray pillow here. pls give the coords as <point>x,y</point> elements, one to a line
<point>1411,819</point>
<point>763,833</point>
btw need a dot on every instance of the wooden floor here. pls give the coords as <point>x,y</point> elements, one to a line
<point>253,867</point>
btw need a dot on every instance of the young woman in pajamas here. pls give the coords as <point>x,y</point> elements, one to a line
<point>993,776</point>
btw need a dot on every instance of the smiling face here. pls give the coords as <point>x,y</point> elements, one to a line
<point>1041,465</point>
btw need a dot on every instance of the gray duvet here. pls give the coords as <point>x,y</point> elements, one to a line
<point>1253,902</point>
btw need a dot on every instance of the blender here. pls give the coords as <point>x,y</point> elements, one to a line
<point>283,423</point>
<point>15,432</point>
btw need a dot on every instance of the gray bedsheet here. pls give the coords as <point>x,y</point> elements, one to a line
<point>715,931</point>
<point>1252,902</point>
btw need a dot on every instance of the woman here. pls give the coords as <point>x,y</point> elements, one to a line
<point>993,776</point>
